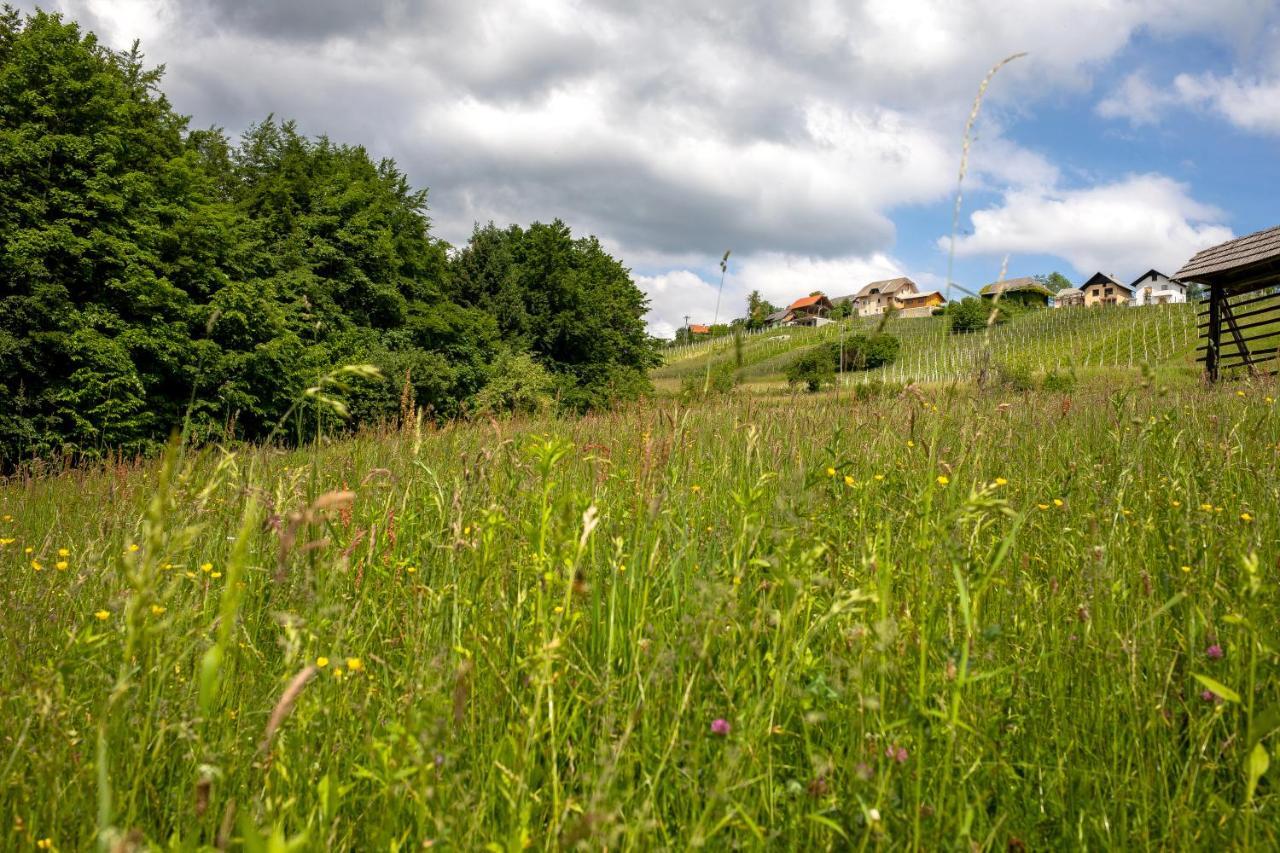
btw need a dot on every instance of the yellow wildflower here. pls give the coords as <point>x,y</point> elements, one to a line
<point>1057,501</point>
<point>27,550</point>
<point>215,575</point>
<point>848,480</point>
<point>1043,506</point>
<point>831,472</point>
<point>8,518</point>
<point>1186,569</point>
<point>103,615</point>
<point>45,844</point>
<point>1246,517</point>
<point>1001,481</point>
<point>6,541</point>
<point>879,477</point>
<point>157,609</point>
<point>63,552</point>
<point>61,565</point>
<point>35,564</point>
<point>206,567</point>
<point>910,443</point>
<point>355,664</point>
<point>322,662</point>
<point>943,479</point>
<point>1207,507</point>
<point>695,488</point>
<point>410,569</point>
<point>1176,503</point>
<point>133,548</point>
<point>1239,393</point>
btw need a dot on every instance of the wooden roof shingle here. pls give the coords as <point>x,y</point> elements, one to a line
<point>1234,254</point>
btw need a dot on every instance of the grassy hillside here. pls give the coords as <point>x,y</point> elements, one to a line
<point>931,622</point>
<point>1039,341</point>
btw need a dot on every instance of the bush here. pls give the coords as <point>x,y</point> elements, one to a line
<point>867,352</point>
<point>1057,382</point>
<point>517,384</point>
<point>814,368</point>
<point>722,380</point>
<point>971,314</point>
<point>876,389</point>
<point>1016,376</point>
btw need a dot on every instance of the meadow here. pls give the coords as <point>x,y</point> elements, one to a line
<point>955,618</point>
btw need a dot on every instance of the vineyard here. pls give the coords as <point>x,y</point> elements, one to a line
<point>1039,341</point>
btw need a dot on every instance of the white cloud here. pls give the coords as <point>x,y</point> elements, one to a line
<point>783,129</point>
<point>1250,102</point>
<point>1124,227</point>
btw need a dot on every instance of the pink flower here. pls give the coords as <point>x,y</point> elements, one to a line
<point>720,726</point>
<point>1210,696</point>
<point>1214,652</point>
<point>897,753</point>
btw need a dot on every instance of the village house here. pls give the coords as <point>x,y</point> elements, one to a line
<point>1068,297</point>
<point>880,296</point>
<point>1155,288</point>
<point>1104,289</point>
<point>808,311</point>
<point>696,329</point>
<point>920,304</point>
<point>1025,291</point>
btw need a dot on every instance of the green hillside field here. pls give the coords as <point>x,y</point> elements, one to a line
<point>1066,339</point>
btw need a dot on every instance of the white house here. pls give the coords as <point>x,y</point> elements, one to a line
<point>1155,288</point>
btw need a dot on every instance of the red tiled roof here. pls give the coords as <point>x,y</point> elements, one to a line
<point>805,302</point>
<point>695,329</point>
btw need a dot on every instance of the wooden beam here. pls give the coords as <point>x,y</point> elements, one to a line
<point>1214,332</point>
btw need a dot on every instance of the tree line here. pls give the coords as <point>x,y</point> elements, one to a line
<point>153,275</point>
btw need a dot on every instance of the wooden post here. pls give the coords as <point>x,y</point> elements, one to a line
<point>1216,296</point>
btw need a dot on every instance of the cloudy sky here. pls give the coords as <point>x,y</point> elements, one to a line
<point>819,140</point>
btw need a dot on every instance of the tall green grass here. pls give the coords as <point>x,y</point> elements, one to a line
<point>944,620</point>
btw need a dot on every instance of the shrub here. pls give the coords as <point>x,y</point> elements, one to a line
<point>867,352</point>
<point>814,368</point>
<point>1058,382</point>
<point>1016,376</point>
<point>517,384</point>
<point>971,314</point>
<point>876,389</point>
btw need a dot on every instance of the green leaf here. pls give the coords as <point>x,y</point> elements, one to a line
<point>1217,687</point>
<point>1255,766</point>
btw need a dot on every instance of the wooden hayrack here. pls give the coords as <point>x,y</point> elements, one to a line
<point>1242,280</point>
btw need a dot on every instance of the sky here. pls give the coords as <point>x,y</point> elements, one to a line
<point>820,141</point>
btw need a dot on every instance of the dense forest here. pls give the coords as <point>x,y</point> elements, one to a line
<point>153,276</point>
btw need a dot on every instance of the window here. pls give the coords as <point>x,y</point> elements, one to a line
<point>1108,291</point>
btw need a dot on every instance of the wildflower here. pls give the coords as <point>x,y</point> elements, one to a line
<point>215,575</point>
<point>558,609</point>
<point>720,726</point>
<point>1175,503</point>
<point>873,815</point>
<point>831,472</point>
<point>6,541</point>
<point>61,565</point>
<point>322,662</point>
<point>133,548</point>
<point>1239,393</point>
<point>63,552</point>
<point>848,480</point>
<point>1043,506</point>
<point>1057,502</point>
<point>27,550</point>
<point>879,477</point>
<point>1207,507</point>
<point>103,615</point>
<point>910,443</point>
<point>355,664</point>
<point>45,844</point>
<point>863,771</point>
<point>1186,569</point>
<point>1210,696</point>
<point>696,489</point>
<point>1001,481</point>
<point>9,518</point>
<point>206,567</point>
<point>897,753</point>
<point>410,569</point>
<point>943,479</point>
<point>157,609</point>
<point>1246,517</point>
<point>1214,652</point>
<point>35,564</point>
